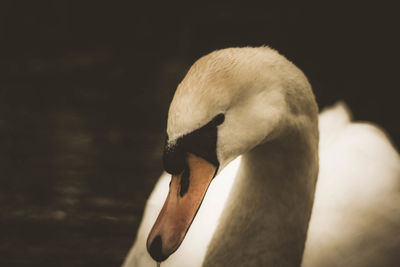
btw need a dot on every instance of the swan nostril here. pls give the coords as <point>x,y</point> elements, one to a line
<point>155,249</point>
<point>184,182</point>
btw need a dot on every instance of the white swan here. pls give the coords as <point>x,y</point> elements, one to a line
<point>270,118</point>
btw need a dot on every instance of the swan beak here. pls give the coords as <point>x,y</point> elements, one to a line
<point>180,209</point>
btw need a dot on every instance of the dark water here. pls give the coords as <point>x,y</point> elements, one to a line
<point>78,159</point>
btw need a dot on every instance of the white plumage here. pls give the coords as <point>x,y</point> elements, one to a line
<point>356,213</point>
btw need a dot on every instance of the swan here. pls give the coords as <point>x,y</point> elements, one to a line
<point>254,180</point>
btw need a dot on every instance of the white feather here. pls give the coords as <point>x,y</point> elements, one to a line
<point>356,214</point>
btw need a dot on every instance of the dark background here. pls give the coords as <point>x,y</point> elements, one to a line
<point>84,93</point>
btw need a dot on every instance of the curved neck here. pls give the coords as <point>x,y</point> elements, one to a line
<point>266,219</point>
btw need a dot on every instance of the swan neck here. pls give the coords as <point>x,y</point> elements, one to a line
<point>268,210</point>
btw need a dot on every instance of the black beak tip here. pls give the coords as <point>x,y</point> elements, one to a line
<point>155,249</point>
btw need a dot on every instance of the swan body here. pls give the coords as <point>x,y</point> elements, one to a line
<point>257,210</point>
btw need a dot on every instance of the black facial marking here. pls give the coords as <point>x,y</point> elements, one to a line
<point>202,143</point>
<point>173,159</point>
<point>184,181</point>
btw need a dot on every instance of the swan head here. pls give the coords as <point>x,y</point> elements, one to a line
<point>229,102</point>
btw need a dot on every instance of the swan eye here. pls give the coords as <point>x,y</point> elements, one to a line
<point>219,119</point>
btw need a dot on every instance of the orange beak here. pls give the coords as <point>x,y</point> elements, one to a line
<point>180,208</point>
